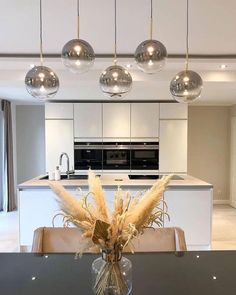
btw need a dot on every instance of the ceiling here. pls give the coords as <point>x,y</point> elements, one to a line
<point>212,32</point>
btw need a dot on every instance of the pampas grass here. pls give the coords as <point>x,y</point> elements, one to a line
<point>111,233</point>
<point>95,188</point>
<point>130,216</point>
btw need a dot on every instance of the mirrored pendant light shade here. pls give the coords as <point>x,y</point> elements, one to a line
<point>150,55</point>
<point>41,82</point>
<point>78,55</point>
<point>115,81</point>
<point>187,85</point>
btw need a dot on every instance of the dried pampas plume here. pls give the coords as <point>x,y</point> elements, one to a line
<point>95,188</point>
<point>130,217</point>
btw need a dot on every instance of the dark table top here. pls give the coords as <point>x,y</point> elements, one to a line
<point>190,273</point>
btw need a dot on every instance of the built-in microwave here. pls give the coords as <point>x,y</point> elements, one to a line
<point>88,155</point>
<point>145,156</point>
<point>116,156</point>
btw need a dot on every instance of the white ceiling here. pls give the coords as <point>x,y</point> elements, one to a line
<point>212,31</point>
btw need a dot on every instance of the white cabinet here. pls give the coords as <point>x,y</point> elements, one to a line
<point>145,120</point>
<point>173,146</point>
<point>173,111</point>
<point>88,120</point>
<point>59,110</point>
<point>191,210</point>
<point>59,139</point>
<point>116,120</point>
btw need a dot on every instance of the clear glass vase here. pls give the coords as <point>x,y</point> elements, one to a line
<point>112,275</point>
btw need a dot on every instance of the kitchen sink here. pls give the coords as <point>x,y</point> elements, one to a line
<point>72,176</point>
<point>136,176</point>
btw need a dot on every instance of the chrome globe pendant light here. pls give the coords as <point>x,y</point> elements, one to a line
<point>115,81</point>
<point>78,55</point>
<point>150,55</point>
<point>41,82</point>
<point>187,85</point>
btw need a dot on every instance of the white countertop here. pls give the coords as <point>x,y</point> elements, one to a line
<point>114,180</point>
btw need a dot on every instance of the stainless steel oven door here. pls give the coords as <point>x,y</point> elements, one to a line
<point>145,157</point>
<point>116,157</point>
<point>87,156</point>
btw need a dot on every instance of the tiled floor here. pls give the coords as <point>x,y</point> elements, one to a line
<point>9,227</point>
<point>224,229</point>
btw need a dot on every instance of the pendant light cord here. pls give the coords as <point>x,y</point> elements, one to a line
<point>115,45</point>
<point>187,37</point>
<point>78,20</point>
<point>41,32</point>
<point>151,22</point>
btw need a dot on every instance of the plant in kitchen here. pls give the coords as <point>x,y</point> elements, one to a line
<point>111,233</point>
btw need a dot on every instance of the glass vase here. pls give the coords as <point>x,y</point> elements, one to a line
<point>112,274</point>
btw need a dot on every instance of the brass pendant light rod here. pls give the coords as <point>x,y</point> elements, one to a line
<point>41,32</point>
<point>115,44</point>
<point>187,36</point>
<point>151,21</point>
<point>78,20</point>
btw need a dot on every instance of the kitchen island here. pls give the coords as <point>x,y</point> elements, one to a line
<point>189,202</point>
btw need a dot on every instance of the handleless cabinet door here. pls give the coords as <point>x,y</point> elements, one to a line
<point>173,146</point>
<point>59,139</point>
<point>145,120</point>
<point>116,120</point>
<point>173,111</point>
<point>88,120</point>
<point>59,110</point>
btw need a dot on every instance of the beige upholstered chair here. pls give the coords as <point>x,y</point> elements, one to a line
<point>62,240</point>
<point>161,240</point>
<point>56,239</point>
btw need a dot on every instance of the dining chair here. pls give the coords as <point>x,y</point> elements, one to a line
<point>160,240</point>
<point>57,239</point>
<point>68,240</point>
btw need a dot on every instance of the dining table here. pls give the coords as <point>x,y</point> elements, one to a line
<point>160,273</point>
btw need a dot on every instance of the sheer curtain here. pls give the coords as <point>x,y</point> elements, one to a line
<point>1,160</point>
<point>9,203</point>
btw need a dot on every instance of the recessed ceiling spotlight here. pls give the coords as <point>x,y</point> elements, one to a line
<point>128,66</point>
<point>32,66</point>
<point>223,66</point>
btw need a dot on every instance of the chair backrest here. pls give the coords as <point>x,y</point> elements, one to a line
<point>160,240</point>
<point>56,239</point>
<point>68,240</point>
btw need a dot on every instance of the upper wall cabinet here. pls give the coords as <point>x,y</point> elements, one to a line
<point>59,139</point>
<point>173,111</point>
<point>88,120</point>
<point>145,120</point>
<point>116,120</point>
<point>59,110</point>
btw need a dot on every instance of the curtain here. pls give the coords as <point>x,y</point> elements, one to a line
<point>8,176</point>
<point>1,160</point>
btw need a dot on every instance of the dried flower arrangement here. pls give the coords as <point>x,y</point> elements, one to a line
<point>130,217</point>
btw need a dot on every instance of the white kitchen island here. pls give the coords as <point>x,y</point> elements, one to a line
<point>189,204</point>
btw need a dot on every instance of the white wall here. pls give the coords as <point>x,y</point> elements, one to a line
<point>30,141</point>
<point>209,147</point>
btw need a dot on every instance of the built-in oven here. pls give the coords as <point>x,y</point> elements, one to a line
<point>88,155</point>
<point>116,156</point>
<point>144,156</point>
